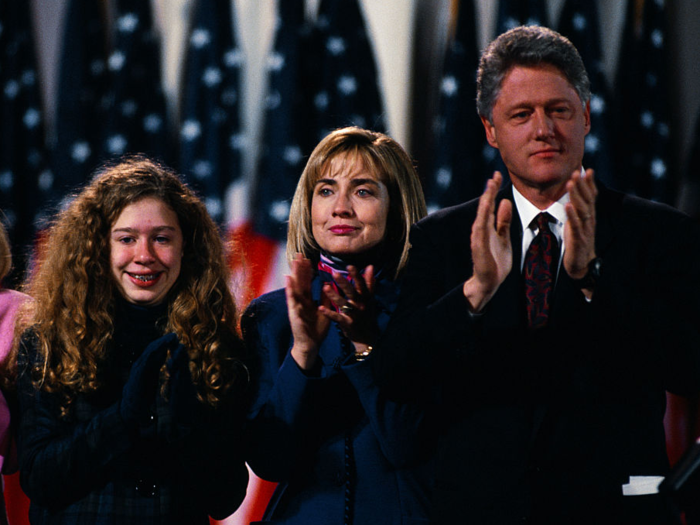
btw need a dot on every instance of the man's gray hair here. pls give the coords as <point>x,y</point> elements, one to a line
<point>527,46</point>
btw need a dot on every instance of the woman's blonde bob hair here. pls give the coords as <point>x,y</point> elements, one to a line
<point>75,293</point>
<point>380,155</point>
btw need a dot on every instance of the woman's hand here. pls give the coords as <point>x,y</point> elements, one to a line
<point>309,325</point>
<point>357,317</point>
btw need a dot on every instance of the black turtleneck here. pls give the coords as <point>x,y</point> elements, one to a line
<point>135,327</point>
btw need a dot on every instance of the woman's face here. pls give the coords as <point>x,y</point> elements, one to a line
<point>146,249</point>
<point>349,208</point>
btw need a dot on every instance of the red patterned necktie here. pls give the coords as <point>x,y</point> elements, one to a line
<point>539,270</point>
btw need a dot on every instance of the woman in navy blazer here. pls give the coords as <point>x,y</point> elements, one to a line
<point>319,425</point>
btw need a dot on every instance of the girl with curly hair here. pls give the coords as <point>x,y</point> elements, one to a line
<point>129,369</point>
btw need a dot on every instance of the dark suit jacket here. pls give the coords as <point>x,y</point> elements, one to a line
<point>546,427</point>
<point>303,426</point>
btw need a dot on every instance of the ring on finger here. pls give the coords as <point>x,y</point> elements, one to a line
<point>347,309</point>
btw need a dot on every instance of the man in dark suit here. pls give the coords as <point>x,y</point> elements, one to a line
<point>546,344</point>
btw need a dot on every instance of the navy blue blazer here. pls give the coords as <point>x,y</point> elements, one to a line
<point>546,427</point>
<point>331,438</point>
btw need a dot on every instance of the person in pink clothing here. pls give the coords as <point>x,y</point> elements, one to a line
<point>10,303</point>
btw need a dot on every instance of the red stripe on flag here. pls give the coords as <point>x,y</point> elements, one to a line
<point>251,260</point>
<point>16,501</point>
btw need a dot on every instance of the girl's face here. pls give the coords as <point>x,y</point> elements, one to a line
<point>146,249</point>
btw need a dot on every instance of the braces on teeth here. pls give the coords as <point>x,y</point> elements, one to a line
<point>145,278</point>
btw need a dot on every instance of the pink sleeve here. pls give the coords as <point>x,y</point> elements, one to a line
<point>10,302</point>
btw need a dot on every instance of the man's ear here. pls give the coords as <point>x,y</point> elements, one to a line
<point>490,132</point>
<point>587,117</point>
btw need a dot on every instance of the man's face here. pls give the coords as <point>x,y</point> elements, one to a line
<point>539,126</point>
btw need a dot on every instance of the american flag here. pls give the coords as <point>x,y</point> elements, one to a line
<point>347,92</point>
<point>643,144</point>
<point>82,81</point>
<point>288,128</point>
<point>24,177</point>
<point>258,260</point>
<point>513,13</point>
<point>456,172</point>
<point>210,139</point>
<point>692,174</point>
<point>579,23</point>
<point>134,104</point>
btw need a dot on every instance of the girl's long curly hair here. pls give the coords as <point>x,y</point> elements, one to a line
<point>72,315</point>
